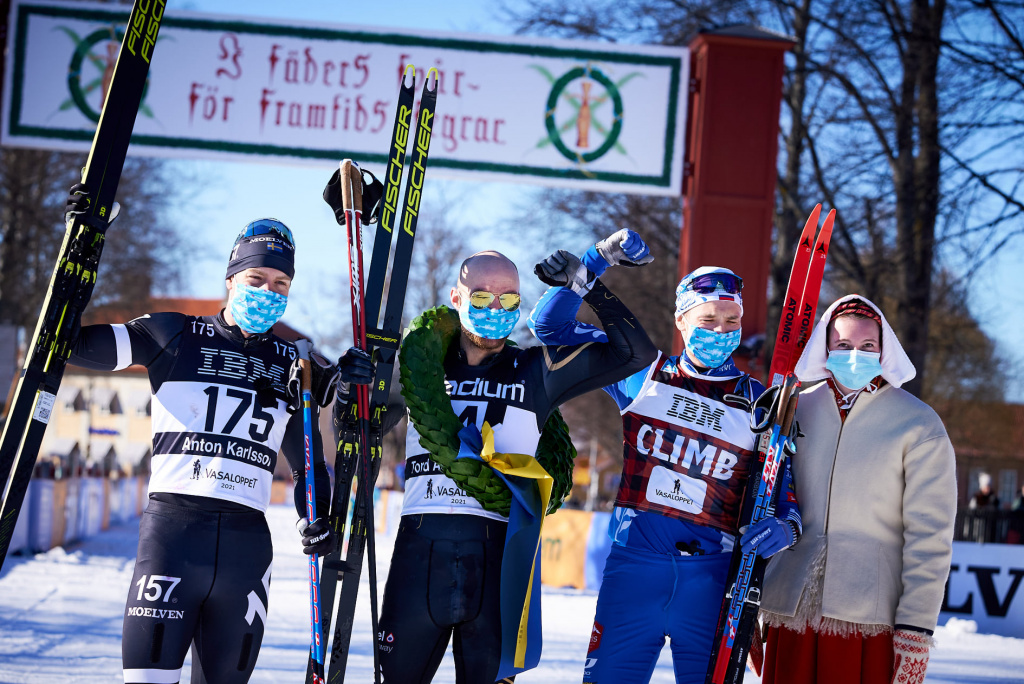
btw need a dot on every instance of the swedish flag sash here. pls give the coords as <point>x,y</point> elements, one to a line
<point>530,484</point>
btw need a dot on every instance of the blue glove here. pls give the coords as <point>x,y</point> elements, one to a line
<point>623,247</point>
<point>768,537</point>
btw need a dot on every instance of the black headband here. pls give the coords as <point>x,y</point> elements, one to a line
<point>262,250</point>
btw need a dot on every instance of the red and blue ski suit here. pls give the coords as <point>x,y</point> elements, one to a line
<point>687,455</point>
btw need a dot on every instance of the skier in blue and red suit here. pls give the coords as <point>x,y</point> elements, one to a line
<point>687,454</point>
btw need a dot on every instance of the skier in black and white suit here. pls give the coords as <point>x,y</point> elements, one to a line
<point>219,417</point>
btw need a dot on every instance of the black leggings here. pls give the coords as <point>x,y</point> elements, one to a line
<point>444,581</point>
<point>201,577</point>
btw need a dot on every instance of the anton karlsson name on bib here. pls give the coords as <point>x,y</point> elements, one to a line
<point>230,448</point>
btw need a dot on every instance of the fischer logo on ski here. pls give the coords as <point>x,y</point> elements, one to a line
<point>361,425</point>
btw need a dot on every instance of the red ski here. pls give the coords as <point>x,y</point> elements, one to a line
<point>738,618</point>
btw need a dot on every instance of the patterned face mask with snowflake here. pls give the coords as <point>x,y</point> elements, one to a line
<point>256,310</point>
<point>709,348</point>
<point>489,323</point>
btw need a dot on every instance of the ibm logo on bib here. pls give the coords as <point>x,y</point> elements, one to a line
<point>229,364</point>
<point>696,412</point>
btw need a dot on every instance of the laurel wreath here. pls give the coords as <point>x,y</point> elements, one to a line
<point>421,370</point>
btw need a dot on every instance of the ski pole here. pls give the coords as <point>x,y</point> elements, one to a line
<point>316,649</point>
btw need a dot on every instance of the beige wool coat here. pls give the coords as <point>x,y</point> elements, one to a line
<point>878,499</point>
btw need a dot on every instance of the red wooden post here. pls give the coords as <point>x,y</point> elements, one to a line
<point>730,171</point>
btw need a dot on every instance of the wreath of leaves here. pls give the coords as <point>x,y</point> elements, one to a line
<point>421,371</point>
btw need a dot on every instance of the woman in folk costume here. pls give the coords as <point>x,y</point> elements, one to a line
<point>856,599</point>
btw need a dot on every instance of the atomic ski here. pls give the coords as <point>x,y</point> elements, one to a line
<point>738,617</point>
<point>359,447</point>
<point>74,276</point>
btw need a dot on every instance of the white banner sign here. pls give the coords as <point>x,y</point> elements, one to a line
<point>596,116</point>
<point>985,586</point>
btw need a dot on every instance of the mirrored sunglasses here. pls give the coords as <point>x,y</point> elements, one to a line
<point>267,227</point>
<point>481,299</point>
<point>710,282</point>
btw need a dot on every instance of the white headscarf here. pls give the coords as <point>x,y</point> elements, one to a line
<point>896,365</point>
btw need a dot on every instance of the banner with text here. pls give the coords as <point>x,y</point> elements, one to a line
<point>984,586</point>
<point>566,113</point>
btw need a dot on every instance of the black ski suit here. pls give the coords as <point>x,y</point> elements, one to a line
<point>202,574</point>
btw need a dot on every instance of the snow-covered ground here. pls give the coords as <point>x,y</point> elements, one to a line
<point>60,621</point>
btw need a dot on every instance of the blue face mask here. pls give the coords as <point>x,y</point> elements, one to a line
<point>711,349</point>
<point>853,368</point>
<point>256,310</point>
<point>488,323</point>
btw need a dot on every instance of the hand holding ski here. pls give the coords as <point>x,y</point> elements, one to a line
<point>730,655</point>
<point>737,622</point>
<point>74,276</point>
<point>361,421</point>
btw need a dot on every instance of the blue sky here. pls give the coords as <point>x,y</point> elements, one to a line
<point>235,193</point>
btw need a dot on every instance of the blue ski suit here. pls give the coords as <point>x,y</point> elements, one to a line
<point>687,453</point>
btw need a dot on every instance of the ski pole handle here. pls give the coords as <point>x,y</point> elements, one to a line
<point>787,403</point>
<point>351,186</point>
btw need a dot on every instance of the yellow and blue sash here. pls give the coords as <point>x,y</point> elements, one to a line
<point>530,484</point>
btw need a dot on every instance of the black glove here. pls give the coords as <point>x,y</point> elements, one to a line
<point>80,200</point>
<point>324,378</point>
<point>566,270</point>
<point>373,191</point>
<point>356,368</point>
<point>317,537</point>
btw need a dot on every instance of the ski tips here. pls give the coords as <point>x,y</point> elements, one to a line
<point>429,85</point>
<point>829,220</point>
<point>810,226</point>
<point>431,80</point>
<point>409,76</point>
<point>825,235</point>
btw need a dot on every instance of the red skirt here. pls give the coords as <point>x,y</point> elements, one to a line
<point>811,658</point>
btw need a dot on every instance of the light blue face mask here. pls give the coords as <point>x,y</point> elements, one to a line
<point>711,349</point>
<point>256,310</point>
<point>488,323</point>
<point>853,368</point>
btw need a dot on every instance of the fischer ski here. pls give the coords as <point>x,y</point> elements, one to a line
<point>74,276</point>
<point>738,618</point>
<point>362,425</point>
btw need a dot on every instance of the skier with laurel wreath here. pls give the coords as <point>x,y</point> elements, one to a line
<point>460,376</point>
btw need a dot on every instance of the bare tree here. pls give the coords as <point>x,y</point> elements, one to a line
<point>905,115</point>
<point>440,247</point>
<point>143,254</point>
